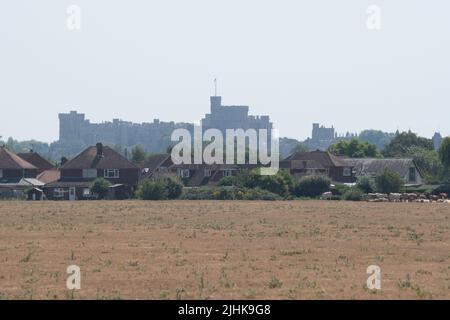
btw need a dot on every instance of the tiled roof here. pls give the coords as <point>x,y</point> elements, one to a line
<point>156,160</point>
<point>369,166</point>
<point>321,158</point>
<point>91,159</point>
<point>37,160</point>
<point>9,160</point>
<point>48,176</point>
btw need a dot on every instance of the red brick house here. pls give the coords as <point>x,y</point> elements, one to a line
<point>13,168</point>
<point>319,163</point>
<point>94,162</point>
<point>16,174</point>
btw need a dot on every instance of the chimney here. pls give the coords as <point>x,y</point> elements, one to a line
<point>99,149</point>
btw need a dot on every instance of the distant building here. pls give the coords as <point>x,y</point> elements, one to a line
<point>322,137</point>
<point>437,140</point>
<point>76,132</point>
<point>75,129</point>
<point>233,117</point>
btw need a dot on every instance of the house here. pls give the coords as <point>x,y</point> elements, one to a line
<point>318,163</point>
<point>94,162</point>
<point>158,166</point>
<point>13,168</point>
<point>16,175</point>
<point>197,175</point>
<point>37,160</point>
<point>407,168</point>
<point>193,175</point>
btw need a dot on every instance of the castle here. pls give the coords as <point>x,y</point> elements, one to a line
<point>75,129</point>
<point>233,117</point>
<point>323,137</point>
<point>153,137</point>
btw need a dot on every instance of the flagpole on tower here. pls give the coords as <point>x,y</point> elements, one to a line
<point>215,87</point>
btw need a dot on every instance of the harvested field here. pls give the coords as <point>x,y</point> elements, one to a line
<point>224,249</point>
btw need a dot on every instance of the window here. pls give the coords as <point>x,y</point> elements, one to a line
<point>412,174</point>
<point>347,172</point>
<point>86,192</point>
<point>227,173</point>
<point>183,173</point>
<point>58,193</point>
<point>89,173</point>
<point>207,173</point>
<point>1,173</point>
<point>111,173</point>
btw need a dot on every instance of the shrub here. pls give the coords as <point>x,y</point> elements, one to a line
<point>389,182</point>
<point>174,188</point>
<point>100,187</point>
<point>229,193</point>
<point>152,190</point>
<point>281,183</point>
<point>227,181</point>
<point>339,189</point>
<point>354,194</point>
<point>312,186</point>
<point>366,184</point>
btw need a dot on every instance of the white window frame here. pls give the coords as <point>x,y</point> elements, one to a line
<point>58,192</point>
<point>89,173</point>
<point>183,173</point>
<point>227,173</point>
<point>347,172</point>
<point>115,173</point>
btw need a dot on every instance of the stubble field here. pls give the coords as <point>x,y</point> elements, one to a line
<point>224,250</point>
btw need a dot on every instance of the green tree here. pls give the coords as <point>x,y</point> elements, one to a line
<point>100,187</point>
<point>312,186</point>
<point>389,182</point>
<point>402,143</point>
<point>376,137</point>
<point>299,148</point>
<point>138,155</point>
<point>444,156</point>
<point>428,163</point>
<point>174,188</point>
<point>366,184</point>
<point>444,152</point>
<point>354,149</point>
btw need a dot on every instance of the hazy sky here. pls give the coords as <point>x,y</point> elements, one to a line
<point>298,61</point>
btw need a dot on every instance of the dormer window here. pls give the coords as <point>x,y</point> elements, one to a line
<point>111,173</point>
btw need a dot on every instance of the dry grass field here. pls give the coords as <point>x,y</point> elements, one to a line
<point>224,250</point>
